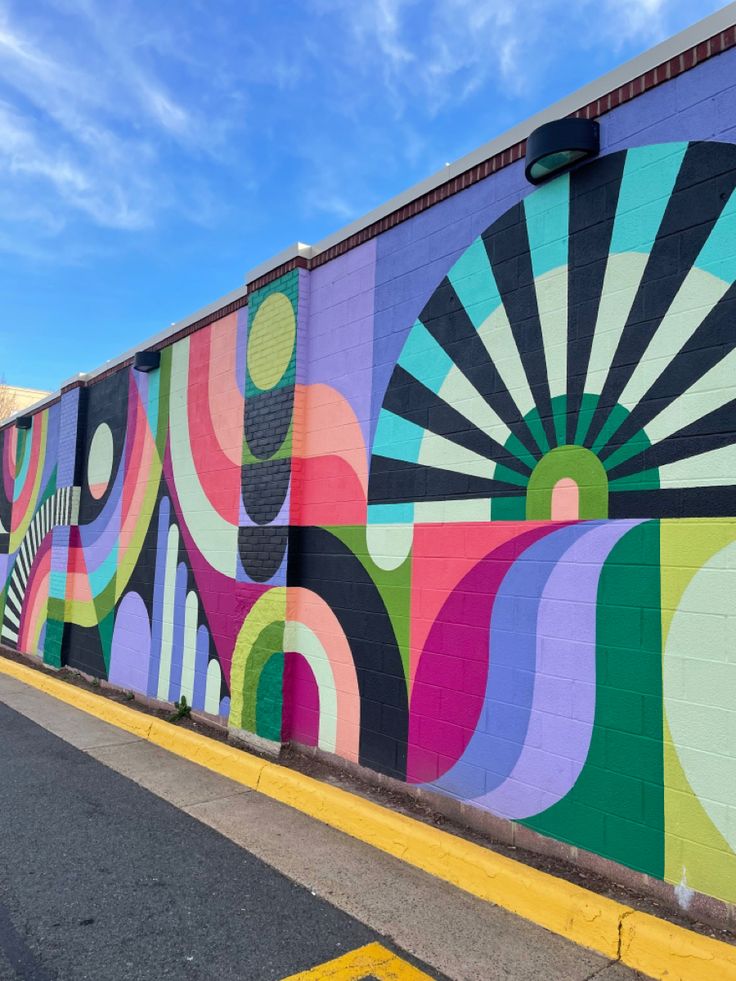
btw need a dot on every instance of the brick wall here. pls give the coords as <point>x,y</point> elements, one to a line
<point>454,502</point>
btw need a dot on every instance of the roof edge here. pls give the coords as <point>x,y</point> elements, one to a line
<point>690,37</point>
<point>508,147</point>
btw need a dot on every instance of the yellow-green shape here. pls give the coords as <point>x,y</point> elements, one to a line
<point>696,853</point>
<point>271,341</point>
<point>268,609</point>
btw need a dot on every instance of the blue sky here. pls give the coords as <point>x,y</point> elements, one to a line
<point>152,151</point>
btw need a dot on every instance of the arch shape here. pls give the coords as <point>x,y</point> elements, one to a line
<point>529,344</point>
<point>562,471</point>
<point>297,620</point>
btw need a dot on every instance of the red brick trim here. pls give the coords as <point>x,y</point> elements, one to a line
<point>668,70</point>
<point>229,308</point>
<point>4,425</point>
<point>625,93</point>
<point>173,338</point>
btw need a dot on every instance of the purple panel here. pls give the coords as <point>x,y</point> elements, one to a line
<point>177,645</point>
<point>69,413</point>
<point>340,347</point>
<point>696,106</point>
<point>131,644</point>
<point>413,258</point>
<point>164,513</point>
<point>59,552</point>
<point>200,667</point>
<point>533,738</point>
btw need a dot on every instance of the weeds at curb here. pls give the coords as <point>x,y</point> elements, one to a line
<point>183,710</point>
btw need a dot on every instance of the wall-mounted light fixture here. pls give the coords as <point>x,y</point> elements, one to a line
<point>24,422</point>
<point>146,360</point>
<point>557,145</point>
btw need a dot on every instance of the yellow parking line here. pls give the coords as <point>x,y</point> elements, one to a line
<point>373,961</point>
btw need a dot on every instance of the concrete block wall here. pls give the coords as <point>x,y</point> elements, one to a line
<point>457,506</point>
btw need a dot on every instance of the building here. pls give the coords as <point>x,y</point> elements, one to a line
<point>14,399</point>
<point>450,495</point>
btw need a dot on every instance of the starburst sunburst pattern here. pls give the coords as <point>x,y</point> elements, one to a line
<point>578,359</point>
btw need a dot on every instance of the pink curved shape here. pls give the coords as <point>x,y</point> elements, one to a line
<point>306,607</point>
<point>225,398</point>
<point>8,463</point>
<point>329,436</point>
<point>140,448</point>
<point>22,504</point>
<point>565,500</point>
<point>217,471</point>
<point>36,598</point>
<point>447,695</point>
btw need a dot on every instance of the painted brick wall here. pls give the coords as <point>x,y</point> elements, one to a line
<point>458,505</point>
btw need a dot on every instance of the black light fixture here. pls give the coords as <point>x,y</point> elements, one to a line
<point>24,422</point>
<point>146,360</point>
<point>557,145</point>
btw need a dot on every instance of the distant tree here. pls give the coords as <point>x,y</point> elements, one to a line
<point>7,400</point>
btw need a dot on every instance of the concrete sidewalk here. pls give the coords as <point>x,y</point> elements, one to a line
<point>445,928</point>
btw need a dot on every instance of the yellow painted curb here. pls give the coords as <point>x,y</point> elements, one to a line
<point>663,950</point>
<point>645,943</point>
<point>562,907</point>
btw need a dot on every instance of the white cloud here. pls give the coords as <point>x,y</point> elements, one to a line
<point>437,51</point>
<point>644,21</point>
<point>85,119</point>
<point>127,115</point>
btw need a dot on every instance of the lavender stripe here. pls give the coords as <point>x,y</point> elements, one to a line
<point>177,647</point>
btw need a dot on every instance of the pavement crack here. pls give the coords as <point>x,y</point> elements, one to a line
<point>619,945</point>
<point>215,800</point>
<point>126,742</point>
<point>621,919</point>
<point>601,969</point>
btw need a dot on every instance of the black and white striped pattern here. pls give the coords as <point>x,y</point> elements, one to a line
<point>62,508</point>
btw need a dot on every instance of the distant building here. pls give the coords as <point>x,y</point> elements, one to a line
<point>13,399</point>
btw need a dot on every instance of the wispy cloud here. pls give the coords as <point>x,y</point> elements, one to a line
<point>85,118</point>
<point>129,117</point>
<point>439,51</point>
<point>644,21</point>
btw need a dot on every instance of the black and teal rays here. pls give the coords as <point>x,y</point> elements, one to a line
<point>598,314</point>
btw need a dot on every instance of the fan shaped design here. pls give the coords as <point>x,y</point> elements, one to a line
<point>579,359</point>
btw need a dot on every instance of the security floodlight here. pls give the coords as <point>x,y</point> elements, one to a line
<point>146,360</point>
<point>556,146</point>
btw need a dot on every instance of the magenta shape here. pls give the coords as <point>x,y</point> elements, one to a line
<point>301,701</point>
<point>450,682</point>
<point>131,644</point>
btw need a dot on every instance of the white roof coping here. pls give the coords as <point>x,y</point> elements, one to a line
<point>158,338</point>
<point>700,31</point>
<point>162,335</point>
<point>29,409</point>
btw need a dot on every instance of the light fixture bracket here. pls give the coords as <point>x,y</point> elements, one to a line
<point>554,147</point>
<point>146,361</point>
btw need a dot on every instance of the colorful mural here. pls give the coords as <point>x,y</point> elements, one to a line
<point>489,550</point>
